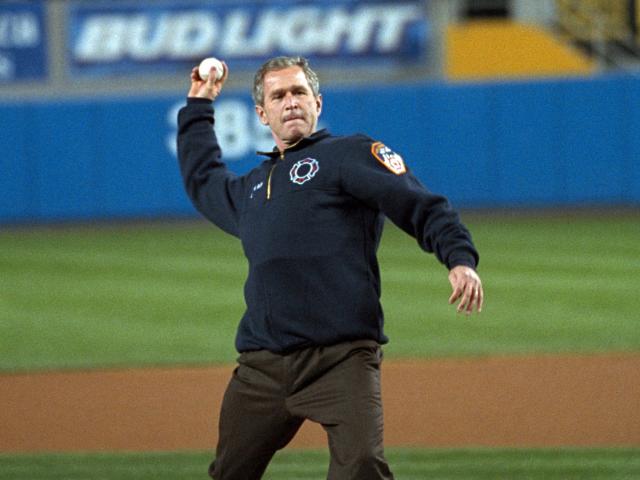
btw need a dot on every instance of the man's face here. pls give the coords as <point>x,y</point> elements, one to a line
<point>289,108</point>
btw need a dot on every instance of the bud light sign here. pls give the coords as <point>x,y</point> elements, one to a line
<point>112,38</point>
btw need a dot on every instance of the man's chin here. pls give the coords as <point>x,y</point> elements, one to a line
<point>296,133</point>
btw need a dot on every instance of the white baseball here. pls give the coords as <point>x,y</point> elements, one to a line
<point>206,65</point>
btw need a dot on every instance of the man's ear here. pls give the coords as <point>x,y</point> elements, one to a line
<point>319,103</point>
<point>262,115</point>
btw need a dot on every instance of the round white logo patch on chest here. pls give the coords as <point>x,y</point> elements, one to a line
<point>304,170</point>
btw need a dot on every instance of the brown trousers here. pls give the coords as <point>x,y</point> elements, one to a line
<point>271,395</point>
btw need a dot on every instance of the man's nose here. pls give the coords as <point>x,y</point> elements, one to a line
<point>290,100</point>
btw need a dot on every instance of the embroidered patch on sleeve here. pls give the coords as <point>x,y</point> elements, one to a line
<point>388,158</point>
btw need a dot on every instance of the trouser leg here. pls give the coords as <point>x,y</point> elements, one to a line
<point>254,422</point>
<point>346,400</point>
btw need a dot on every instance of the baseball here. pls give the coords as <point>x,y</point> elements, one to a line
<point>205,66</point>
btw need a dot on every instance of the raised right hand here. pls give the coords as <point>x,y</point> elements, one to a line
<point>210,88</point>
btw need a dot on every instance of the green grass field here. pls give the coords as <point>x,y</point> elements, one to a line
<point>167,293</point>
<point>171,293</point>
<point>407,464</point>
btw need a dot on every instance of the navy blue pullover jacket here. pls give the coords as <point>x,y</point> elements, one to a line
<point>310,220</point>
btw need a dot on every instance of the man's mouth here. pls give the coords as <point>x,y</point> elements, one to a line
<point>293,117</point>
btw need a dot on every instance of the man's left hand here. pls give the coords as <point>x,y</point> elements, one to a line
<point>467,287</point>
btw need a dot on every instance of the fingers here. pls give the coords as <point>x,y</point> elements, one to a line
<point>215,84</point>
<point>472,298</point>
<point>225,73</point>
<point>196,83</point>
<point>211,87</point>
<point>457,291</point>
<point>466,299</point>
<point>213,80</point>
<point>467,288</point>
<point>466,303</point>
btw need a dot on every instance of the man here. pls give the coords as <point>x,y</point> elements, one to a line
<point>310,218</point>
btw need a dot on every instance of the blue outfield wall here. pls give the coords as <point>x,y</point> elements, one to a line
<point>544,143</point>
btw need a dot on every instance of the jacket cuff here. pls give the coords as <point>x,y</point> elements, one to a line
<point>198,100</point>
<point>462,257</point>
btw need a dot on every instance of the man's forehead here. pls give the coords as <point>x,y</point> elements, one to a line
<point>286,77</point>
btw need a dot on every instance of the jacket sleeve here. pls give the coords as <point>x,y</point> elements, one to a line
<point>396,192</point>
<point>216,192</point>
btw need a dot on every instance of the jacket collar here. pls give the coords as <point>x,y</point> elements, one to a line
<point>313,138</point>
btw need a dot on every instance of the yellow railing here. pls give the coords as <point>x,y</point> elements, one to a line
<point>502,49</point>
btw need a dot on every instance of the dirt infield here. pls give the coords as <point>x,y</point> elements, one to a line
<point>514,401</point>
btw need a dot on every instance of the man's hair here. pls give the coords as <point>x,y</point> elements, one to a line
<point>280,63</point>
